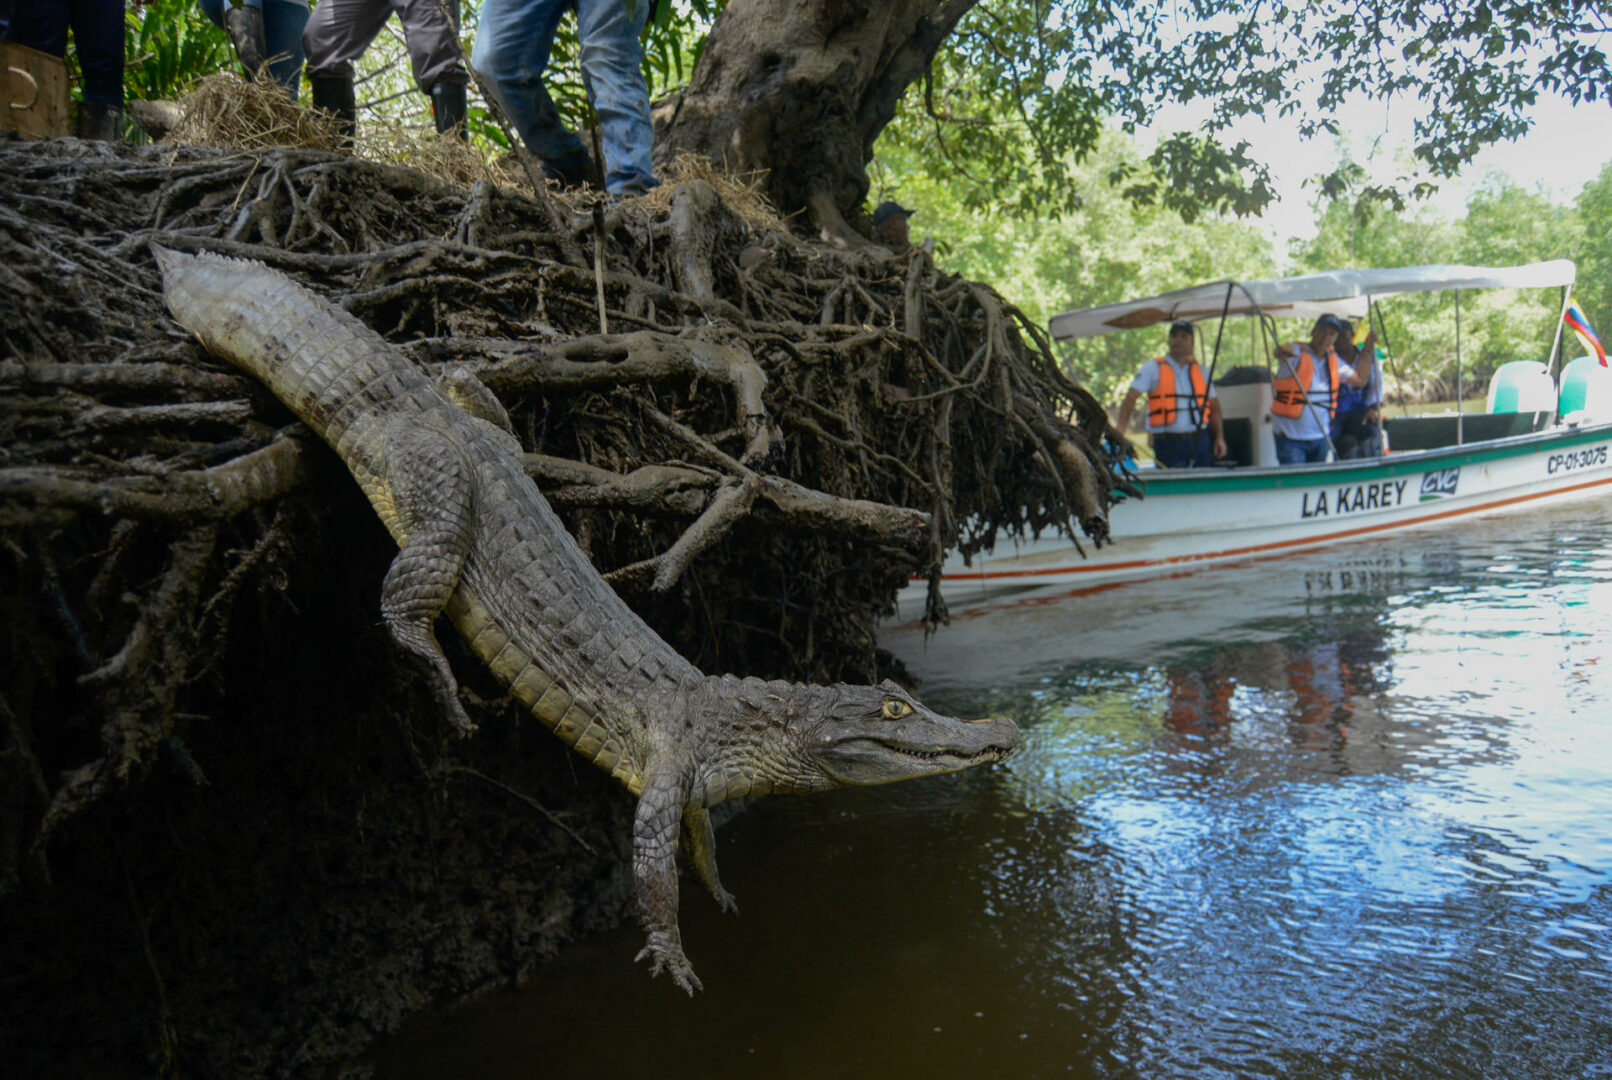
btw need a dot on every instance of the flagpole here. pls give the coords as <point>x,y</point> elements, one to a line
<point>1561,317</point>
<point>1458,385</point>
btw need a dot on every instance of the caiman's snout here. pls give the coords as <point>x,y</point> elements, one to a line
<point>919,743</point>
<point>1004,734</point>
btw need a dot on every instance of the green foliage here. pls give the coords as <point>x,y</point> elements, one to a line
<point>169,45</point>
<point>1107,248</point>
<point>673,41</point>
<point>1594,256</point>
<point>1504,225</point>
<point>1022,88</point>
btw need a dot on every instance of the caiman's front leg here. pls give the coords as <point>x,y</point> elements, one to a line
<point>654,868</point>
<point>433,494</point>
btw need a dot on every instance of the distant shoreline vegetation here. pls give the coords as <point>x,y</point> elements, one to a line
<point>1111,249</point>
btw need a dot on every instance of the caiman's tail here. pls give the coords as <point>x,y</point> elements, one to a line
<point>211,296</point>
<point>310,353</point>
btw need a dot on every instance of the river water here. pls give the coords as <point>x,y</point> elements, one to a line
<point>1343,814</point>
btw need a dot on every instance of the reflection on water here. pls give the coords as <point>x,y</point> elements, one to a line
<point>1340,814</point>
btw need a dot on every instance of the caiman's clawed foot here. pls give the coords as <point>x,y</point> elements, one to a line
<point>665,952</point>
<point>726,902</point>
<point>463,726</point>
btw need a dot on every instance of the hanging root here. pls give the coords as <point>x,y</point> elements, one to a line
<point>140,683</point>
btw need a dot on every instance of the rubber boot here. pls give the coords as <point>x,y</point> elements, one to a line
<point>573,172</point>
<point>245,26</point>
<point>103,123</point>
<point>334,94</point>
<point>448,106</point>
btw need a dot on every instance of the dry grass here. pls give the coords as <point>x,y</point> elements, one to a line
<point>742,194</point>
<point>227,111</point>
<point>448,158</point>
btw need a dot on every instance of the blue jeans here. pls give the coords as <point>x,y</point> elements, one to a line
<point>283,21</point>
<point>512,50</point>
<point>1300,451</point>
<point>1188,450</point>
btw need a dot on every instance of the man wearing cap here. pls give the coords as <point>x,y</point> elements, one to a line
<point>1183,411</point>
<point>1357,425</point>
<point>890,225</point>
<point>1306,394</point>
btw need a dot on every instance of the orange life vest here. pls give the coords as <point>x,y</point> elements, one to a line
<point>1294,393</point>
<point>1163,400</point>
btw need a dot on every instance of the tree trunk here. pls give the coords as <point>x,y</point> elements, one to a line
<point>801,91</point>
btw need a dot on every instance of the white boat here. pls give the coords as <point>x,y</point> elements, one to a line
<point>1545,440</point>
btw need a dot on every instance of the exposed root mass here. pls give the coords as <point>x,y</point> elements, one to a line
<point>770,439</point>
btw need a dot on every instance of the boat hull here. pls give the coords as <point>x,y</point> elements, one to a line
<point>1193,518</point>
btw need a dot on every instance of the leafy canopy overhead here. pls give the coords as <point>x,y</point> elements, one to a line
<point>1021,89</point>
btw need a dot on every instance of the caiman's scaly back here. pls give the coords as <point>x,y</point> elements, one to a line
<point>478,542</point>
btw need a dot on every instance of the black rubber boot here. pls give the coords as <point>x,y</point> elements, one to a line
<point>448,106</point>
<point>245,26</point>
<point>334,94</point>
<point>574,172</point>
<point>103,123</point>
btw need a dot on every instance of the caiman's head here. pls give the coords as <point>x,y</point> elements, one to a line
<point>879,734</point>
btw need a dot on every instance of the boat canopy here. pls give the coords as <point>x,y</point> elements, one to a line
<point>1346,293</point>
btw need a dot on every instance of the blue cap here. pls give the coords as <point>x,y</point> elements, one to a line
<point>887,210</point>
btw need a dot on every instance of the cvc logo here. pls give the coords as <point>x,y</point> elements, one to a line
<point>1441,483</point>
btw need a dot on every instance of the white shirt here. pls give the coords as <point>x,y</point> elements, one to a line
<point>1147,381</point>
<point>1313,421</point>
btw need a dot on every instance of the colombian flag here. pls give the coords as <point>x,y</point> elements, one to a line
<point>1575,320</point>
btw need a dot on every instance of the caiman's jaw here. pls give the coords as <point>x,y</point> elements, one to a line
<point>882,761</point>
<point>891,737</point>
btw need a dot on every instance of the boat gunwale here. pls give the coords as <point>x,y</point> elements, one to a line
<point>1276,477</point>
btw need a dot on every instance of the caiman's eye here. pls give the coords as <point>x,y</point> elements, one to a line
<point>895,708</point>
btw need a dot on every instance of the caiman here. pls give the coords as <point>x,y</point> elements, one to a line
<point>479,542</point>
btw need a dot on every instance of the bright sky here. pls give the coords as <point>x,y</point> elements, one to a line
<point>1566,148</point>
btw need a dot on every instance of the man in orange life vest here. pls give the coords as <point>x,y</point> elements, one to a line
<point>1306,393</point>
<point>1182,409</point>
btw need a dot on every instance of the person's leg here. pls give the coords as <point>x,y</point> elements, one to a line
<point>1203,450</point>
<point>1316,450</point>
<point>283,24</point>
<point>42,25</point>
<point>433,42</point>
<point>1289,451</point>
<point>242,20</point>
<point>338,32</point>
<point>98,35</point>
<point>613,71</point>
<point>1172,452</point>
<point>512,50</point>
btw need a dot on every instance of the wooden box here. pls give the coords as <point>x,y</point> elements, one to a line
<point>34,88</point>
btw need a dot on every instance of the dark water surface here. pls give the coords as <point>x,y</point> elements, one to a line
<point>1345,814</point>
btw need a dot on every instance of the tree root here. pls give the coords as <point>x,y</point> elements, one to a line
<point>139,684</point>
<point>780,434</point>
